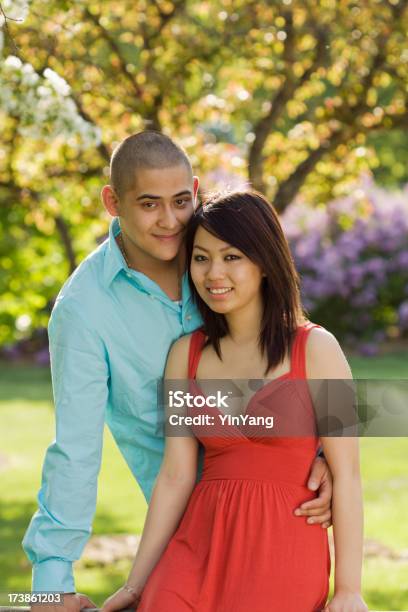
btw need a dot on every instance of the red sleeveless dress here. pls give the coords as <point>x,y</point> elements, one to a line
<point>239,547</point>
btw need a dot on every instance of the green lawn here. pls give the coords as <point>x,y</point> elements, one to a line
<point>26,428</point>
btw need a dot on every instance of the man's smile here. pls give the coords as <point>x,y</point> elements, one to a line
<point>167,237</point>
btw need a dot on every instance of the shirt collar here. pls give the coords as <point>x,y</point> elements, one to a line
<point>114,261</point>
<point>186,295</point>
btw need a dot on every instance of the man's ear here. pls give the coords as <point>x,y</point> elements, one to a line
<point>110,200</point>
<point>196,184</point>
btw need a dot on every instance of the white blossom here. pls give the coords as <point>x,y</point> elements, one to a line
<point>58,83</point>
<point>14,9</point>
<point>13,62</point>
<point>43,106</point>
<point>41,102</point>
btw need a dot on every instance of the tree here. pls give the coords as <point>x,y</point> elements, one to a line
<point>284,94</point>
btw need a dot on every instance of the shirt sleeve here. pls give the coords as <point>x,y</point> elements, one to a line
<point>62,524</point>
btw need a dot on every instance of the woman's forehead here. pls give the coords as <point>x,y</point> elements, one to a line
<point>207,240</point>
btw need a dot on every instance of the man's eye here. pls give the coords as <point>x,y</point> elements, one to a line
<point>199,258</point>
<point>149,205</point>
<point>182,202</point>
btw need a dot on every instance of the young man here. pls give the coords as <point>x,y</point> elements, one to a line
<point>110,331</point>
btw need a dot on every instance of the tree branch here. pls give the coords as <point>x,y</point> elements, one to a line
<point>289,188</point>
<point>60,223</point>
<point>102,148</point>
<point>264,126</point>
<point>283,95</point>
<point>349,118</point>
<point>7,29</point>
<point>166,17</point>
<point>378,62</point>
<point>63,230</point>
<point>115,48</point>
<point>152,118</point>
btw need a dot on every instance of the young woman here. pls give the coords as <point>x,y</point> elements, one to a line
<point>231,543</point>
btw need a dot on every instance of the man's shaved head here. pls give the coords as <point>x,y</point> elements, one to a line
<point>147,149</point>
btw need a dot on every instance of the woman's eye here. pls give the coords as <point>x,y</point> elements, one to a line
<point>199,258</point>
<point>232,257</point>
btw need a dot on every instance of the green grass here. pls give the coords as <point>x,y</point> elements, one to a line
<point>27,427</point>
<point>393,365</point>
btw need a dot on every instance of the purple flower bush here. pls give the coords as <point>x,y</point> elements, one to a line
<point>352,256</point>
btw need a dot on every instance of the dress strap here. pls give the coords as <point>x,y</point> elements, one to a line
<point>298,357</point>
<point>197,342</point>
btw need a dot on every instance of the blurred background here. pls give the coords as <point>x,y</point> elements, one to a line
<point>306,101</point>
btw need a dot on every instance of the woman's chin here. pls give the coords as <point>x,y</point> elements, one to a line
<point>219,307</point>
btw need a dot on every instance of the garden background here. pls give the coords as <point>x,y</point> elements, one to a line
<point>306,101</point>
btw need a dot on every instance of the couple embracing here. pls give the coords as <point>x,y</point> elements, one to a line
<point>206,292</point>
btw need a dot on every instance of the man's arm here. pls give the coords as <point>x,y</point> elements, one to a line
<point>318,510</point>
<point>61,527</point>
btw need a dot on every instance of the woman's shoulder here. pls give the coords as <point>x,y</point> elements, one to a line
<point>319,339</point>
<point>178,357</point>
<point>324,355</point>
<point>182,344</point>
<point>318,336</point>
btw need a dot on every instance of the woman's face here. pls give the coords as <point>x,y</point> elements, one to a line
<point>224,277</point>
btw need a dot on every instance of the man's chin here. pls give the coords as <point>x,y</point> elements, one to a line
<point>168,256</point>
<point>169,253</point>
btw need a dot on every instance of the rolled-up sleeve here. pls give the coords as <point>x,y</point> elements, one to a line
<point>62,524</point>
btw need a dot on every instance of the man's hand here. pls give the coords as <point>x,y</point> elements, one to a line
<point>318,510</point>
<point>73,602</point>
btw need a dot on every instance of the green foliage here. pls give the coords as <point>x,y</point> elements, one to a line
<point>391,165</point>
<point>299,97</point>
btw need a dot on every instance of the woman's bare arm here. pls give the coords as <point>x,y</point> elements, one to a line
<point>325,360</point>
<point>171,493</point>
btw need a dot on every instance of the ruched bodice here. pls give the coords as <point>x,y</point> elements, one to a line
<point>245,460</point>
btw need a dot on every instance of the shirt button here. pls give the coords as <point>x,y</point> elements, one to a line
<point>188,318</point>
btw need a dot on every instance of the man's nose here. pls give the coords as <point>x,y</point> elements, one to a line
<point>168,218</point>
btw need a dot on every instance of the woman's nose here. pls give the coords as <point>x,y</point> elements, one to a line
<point>215,270</point>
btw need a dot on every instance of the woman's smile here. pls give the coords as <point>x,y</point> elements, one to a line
<point>219,292</point>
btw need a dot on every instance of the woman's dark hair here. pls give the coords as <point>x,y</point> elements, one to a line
<point>247,221</point>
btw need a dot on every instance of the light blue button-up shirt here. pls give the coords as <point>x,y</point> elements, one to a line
<point>110,333</point>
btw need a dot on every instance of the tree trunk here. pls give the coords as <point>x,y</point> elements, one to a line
<point>63,230</point>
<point>289,188</point>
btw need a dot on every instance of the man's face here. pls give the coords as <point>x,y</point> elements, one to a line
<point>154,213</point>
